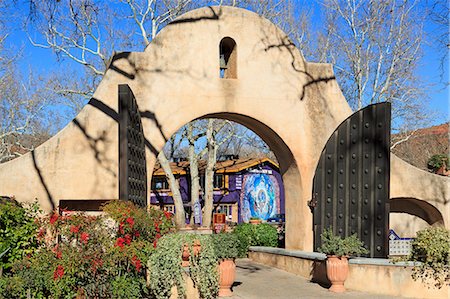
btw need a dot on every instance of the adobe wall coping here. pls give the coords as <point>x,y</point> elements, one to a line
<point>317,256</point>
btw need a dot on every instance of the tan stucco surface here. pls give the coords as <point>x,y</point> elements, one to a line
<point>292,104</point>
<point>375,279</point>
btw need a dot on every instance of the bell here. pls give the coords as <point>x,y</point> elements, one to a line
<point>223,64</point>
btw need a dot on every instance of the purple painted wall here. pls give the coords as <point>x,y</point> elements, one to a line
<point>222,196</point>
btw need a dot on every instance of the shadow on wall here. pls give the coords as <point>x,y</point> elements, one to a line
<point>131,74</point>
<point>42,180</point>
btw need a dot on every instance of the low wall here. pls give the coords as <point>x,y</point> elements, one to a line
<point>377,276</point>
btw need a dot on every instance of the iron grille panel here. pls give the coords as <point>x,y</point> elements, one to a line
<point>132,163</point>
<point>351,184</point>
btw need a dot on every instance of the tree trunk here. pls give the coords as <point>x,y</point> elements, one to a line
<point>209,173</point>
<point>193,168</point>
<point>175,188</point>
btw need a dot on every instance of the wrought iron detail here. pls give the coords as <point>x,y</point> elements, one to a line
<point>132,164</point>
<point>351,183</point>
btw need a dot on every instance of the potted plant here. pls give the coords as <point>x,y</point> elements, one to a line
<point>255,220</point>
<point>226,249</point>
<point>338,250</point>
<point>439,164</point>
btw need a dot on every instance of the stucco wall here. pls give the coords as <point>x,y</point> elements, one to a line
<point>366,275</point>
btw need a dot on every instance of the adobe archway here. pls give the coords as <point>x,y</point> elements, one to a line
<point>293,104</point>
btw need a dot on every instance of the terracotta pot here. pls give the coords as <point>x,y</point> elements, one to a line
<point>337,272</point>
<point>196,246</point>
<point>185,256</point>
<point>227,273</point>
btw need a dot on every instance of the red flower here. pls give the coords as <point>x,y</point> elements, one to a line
<point>121,231</point>
<point>41,232</point>
<point>84,237</point>
<point>158,235</point>
<point>96,263</point>
<point>136,234</point>
<point>120,242</point>
<point>167,214</point>
<point>74,229</point>
<point>156,225</point>
<point>58,254</point>
<point>53,218</point>
<point>127,239</point>
<point>154,244</point>
<point>130,221</point>
<point>59,272</point>
<point>137,263</point>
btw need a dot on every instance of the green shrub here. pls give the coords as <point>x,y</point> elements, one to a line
<point>166,270</point>
<point>335,245</point>
<point>437,161</point>
<point>266,235</point>
<point>17,232</point>
<point>432,248</point>
<point>246,233</point>
<point>255,235</point>
<point>226,245</point>
<point>127,287</point>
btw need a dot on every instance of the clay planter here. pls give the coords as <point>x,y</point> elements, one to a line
<point>196,246</point>
<point>337,271</point>
<point>227,273</point>
<point>255,221</point>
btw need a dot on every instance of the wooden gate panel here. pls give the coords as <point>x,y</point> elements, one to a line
<point>351,185</point>
<point>132,162</point>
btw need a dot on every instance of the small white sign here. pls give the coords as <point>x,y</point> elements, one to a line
<point>264,171</point>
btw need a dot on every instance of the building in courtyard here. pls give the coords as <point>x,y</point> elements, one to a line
<point>243,188</point>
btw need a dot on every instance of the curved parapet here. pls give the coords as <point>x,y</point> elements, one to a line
<point>419,188</point>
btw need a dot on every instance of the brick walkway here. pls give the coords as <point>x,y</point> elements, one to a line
<point>256,281</point>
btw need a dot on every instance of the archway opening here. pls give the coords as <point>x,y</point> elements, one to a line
<point>272,171</point>
<point>409,215</point>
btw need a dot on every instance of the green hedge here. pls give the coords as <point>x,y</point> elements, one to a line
<point>255,235</point>
<point>431,247</point>
<point>17,232</point>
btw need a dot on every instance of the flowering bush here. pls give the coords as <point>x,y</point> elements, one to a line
<point>90,256</point>
<point>17,232</point>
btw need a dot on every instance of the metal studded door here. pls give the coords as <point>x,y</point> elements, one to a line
<point>132,165</point>
<point>351,184</point>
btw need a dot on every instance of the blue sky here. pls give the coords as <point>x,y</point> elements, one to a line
<point>44,60</point>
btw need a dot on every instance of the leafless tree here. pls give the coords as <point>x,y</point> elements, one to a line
<point>22,111</point>
<point>376,47</point>
<point>439,14</point>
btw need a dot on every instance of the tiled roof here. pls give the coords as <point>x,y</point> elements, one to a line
<point>228,166</point>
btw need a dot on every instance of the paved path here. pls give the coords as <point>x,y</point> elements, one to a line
<point>256,281</point>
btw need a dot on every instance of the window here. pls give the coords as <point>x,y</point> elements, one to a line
<point>169,208</point>
<point>218,181</point>
<point>226,209</point>
<point>160,183</point>
<point>228,58</point>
